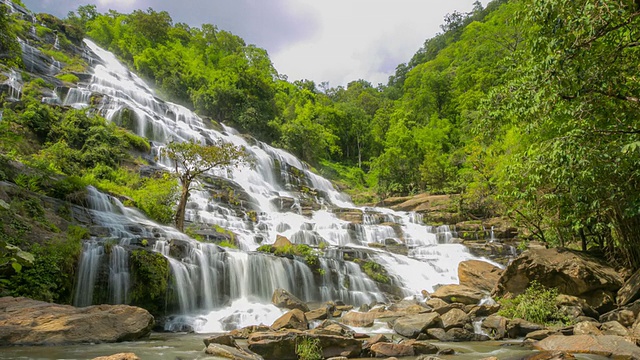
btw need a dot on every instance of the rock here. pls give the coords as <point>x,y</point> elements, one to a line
<point>428,357</point>
<point>574,301</point>
<point>586,328</point>
<point>320,313</point>
<point>540,334</point>
<point>121,356</point>
<point>374,340</point>
<point>421,347</point>
<point>624,317</point>
<point>358,319</point>
<point>330,327</point>
<point>601,300</point>
<point>482,310</point>
<point>383,349</point>
<point>571,272</point>
<point>458,334</point>
<point>490,358</point>
<point>454,318</point>
<point>459,293</point>
<point>29,322</point>
<point>284,299</point>
<point>229,352</point>
<point>412,325</point>
<point>447,351</point>
<point>244,332</point>
<point>495,326</point>
<point>605,345</point>
<point>281,345</point>
<point>338,358</point>
<point>519,327</point>
<point>437,333</point>
<point>614,328</point>
<point>630,291</point>
<point>549,355</point>
<point>226,339</point>
<point>436,303</point>
<point>293,319</point>
<point>478,274</point>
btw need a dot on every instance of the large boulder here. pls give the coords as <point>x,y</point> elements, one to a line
<point>616,347</point>
<point>412,325</point>
<point>479,274</point>
<point>495,326</point>
<point>630,291</point>
<point>571,272</point>
<point>286,300</point>
<point>29,322</point>
<point>459,294</point>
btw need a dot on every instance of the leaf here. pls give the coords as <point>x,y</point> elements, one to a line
<point>16,266</point>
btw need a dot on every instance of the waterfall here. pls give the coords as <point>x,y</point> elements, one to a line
<point>214,288</point>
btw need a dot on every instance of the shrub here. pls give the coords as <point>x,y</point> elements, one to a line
<point>537,304</point>
<point>309,349</point>
<point>150,273</point>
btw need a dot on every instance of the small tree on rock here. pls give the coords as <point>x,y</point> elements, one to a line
<point>192,159</point>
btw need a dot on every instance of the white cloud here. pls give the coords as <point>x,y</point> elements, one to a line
<point>363,39</point>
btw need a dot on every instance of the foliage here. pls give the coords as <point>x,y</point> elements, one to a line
<point>150,279</point>
<point>308,348</point>
<point>10,51</point>
<point>374,271</point>
<point>537,304</point>
<point>191,160</point>
<point>51,276</point>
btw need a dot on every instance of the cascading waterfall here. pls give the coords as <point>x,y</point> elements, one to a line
<point>218,288</point>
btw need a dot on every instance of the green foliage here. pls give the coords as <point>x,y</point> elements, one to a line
<point>374,270</point>
<point>537,304</point>
<point>52,274</point>
<point>150,279</point>
<point>266,248</point>
<point>9,47</point>
<point>70,78</point>
<point>228,244</point>
<point>308,348</point>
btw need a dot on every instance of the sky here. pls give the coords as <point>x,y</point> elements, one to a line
<point>321,40</point>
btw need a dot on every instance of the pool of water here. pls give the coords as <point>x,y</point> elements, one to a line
<point>167,346</point>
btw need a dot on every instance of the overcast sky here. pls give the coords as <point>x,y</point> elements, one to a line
<point>321,40</point>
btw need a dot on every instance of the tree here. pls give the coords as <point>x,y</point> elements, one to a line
<point>192,159</point>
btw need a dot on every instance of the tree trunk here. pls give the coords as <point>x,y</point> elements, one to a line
<point>182,205</point>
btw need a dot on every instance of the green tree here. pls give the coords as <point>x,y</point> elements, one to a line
<point>191,160</point>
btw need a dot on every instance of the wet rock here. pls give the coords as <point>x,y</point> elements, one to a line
<point>229,352</point>
<point>447,351</point>
<point>244,332</point>
<point>630,291</point>
<point>478,274</point>
<point>482,310</point>
<point>412,325</point>
<point>605,345</point>
<point>281,345</point>
<point>320,313</point>
<point>437,333</point>
<point>383,349</point>
<point>379,338</point>
<point>459,294</point>
<point>458,334</point>
<point>571,272</point>
<point>120,356</point>
<point>293,319</point>
<point>428,357</point>
<point>358,319</point>
<point>284,299</point>
<point>454,318</point>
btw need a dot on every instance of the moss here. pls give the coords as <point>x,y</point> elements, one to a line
<point>150,273</point>
<point>70,78</point>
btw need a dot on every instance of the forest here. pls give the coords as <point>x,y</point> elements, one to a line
<point>526,109</point>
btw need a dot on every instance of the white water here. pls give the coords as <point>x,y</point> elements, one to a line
<point>220,289</point>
